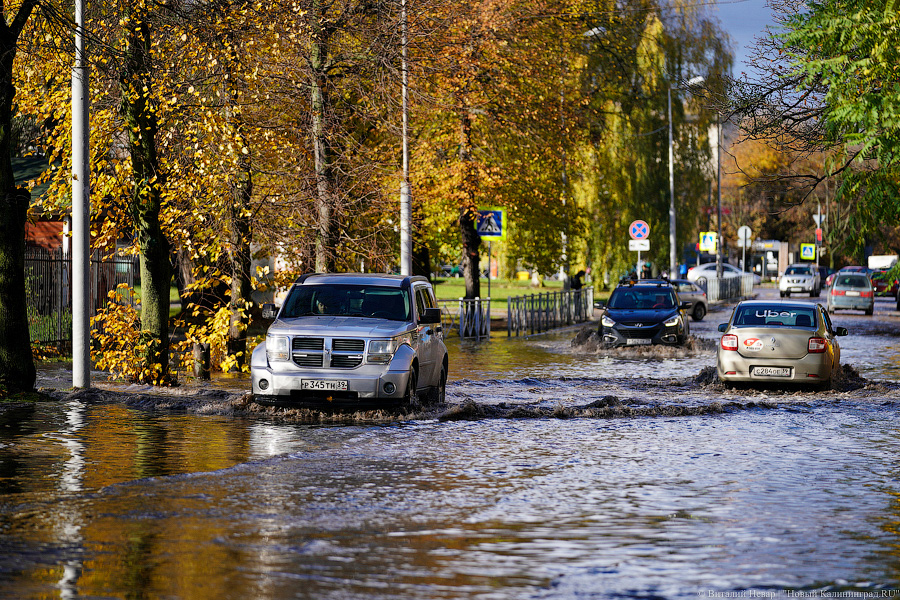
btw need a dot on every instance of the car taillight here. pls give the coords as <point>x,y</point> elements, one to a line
<point>838,292</point>
<point>817,345</point>
<point>865,294</point>
<point>729,342</point>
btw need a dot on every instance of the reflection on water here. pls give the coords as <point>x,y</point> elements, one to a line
<point>101,500</point>
<point>552,355</point>
<point>122,503</point>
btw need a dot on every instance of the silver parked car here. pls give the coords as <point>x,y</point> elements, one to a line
<point>851,290</point>
<point>352,339</point>
<point>687,291</point>
<point>703,273</point>
<point>803,278</point>
<point>690,292</point>
<point>790,342</point>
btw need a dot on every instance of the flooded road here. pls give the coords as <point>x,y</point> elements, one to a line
<point>573,473</point>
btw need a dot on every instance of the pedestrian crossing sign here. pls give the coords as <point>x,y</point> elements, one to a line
<point>708,241</point>
<point>491,223</point>
<point>808,251</point>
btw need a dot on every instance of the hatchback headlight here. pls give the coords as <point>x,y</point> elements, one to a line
<point>673,321</point>
<point>277,348</point>
<point>382,351</point>
<point>607,322</point>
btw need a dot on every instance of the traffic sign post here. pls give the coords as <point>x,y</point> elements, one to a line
<point>708,241</point>
<point>640,233</point>
<point>491,225</point>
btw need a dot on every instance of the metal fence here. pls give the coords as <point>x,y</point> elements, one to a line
<point>539,312</point>
<point>471,318</point>
<point>729,288</point>
<point>48,291</point>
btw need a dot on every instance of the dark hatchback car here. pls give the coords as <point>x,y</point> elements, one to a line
<point>644,313</point>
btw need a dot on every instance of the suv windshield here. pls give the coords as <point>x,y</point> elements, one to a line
<point>639,298</point>
<point>347,300</point>
<point>798,271</point>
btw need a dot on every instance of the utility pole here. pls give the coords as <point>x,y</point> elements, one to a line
<point>81,210</point>
<point>719,194</point>
<point>673,247</point>
<point>405,203</point>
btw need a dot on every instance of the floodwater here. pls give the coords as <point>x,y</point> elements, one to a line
<point>557,472</point>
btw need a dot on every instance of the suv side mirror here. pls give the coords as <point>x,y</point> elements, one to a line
<point>723,327</point>
<point>841,331</point>
<point>269,311</point>
<point>430,315</point>
<point>685,304</point>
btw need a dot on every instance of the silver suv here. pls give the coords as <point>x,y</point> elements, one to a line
<point>352,339</point>
<point>800,278</point>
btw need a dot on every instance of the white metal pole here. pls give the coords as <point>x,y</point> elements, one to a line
<point>405,203</point>
<point>673,247</point>
<point>490,253</point>
<point>719,194</point>
<point>81,210</point>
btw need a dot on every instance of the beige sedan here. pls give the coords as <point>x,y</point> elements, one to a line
<point>779,342</point>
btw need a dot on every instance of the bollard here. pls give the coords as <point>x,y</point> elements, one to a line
<point>201,361</point>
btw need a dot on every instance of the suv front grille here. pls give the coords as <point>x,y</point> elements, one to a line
<point>308,360</point>
<point>308,343</point>
<point>348,345</point>
<point>344,361</point>
<point>347,353</point>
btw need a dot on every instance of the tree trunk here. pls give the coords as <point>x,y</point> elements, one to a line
<point>146,201</point>
<point>16,362</point>
<point>326,226</point>
<point>471,241</point>
<point>239,255</point>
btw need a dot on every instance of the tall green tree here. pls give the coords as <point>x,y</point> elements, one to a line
<point>828,85</point>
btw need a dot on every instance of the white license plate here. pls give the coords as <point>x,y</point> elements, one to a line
<point>771,371</point>
<point>853,293</point>
<point>327,385</point>
<point>796,289</point>
<point>638,342</point>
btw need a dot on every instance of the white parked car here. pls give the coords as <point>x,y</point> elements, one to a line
<point>800,279</point>
<point>703,273</point>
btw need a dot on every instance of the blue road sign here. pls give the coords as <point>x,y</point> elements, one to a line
<point>491,223</point>
<point>639,230</point>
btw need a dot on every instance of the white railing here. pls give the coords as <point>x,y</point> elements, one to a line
<point>539,312</point>
<point>729,288</point>
<point>471,319</point>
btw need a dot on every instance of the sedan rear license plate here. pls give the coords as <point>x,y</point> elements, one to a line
<point>638,341</point>
<point>853,293</point>
<point>327,385</point>
<point>771,372</point>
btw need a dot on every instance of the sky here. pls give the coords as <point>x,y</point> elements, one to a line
<point>743,20</point>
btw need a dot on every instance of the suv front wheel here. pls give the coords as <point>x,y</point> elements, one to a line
<point>411,398</point>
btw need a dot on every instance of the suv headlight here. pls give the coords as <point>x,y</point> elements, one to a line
<point>607,322</point>
<point>277,348</point>
<point>382,351</point>
<point>673,321</point>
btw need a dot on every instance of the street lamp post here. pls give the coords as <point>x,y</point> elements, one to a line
<point>673,244</point>
<point>406,266</point>
<point>719,196</point>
